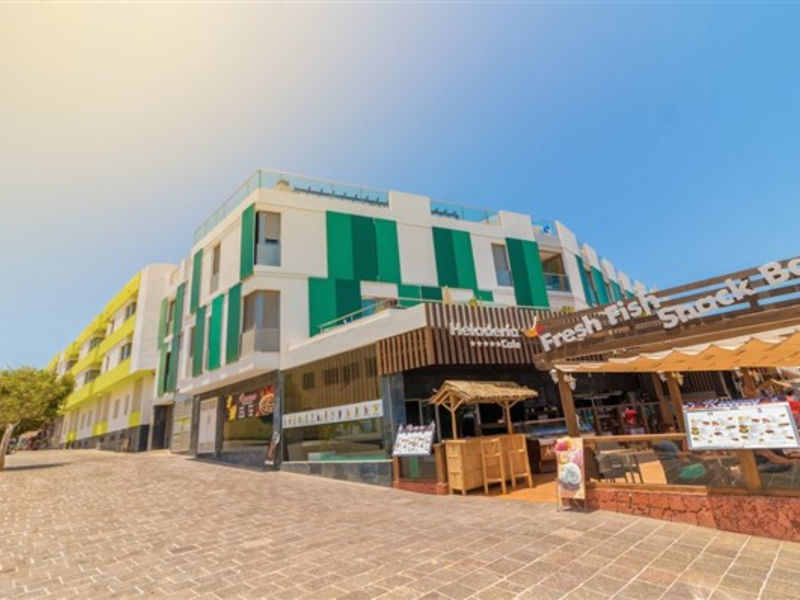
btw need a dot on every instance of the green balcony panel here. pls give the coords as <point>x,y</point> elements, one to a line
<point>409,295</point>
<point>485,295</point>
<point>248,246</point>
<point>198,341</point>
<point>629,294</point>
<point>161,374</point>
<point>215,333</point>
<point>340,245</point>
<point>197,275</point>
<point>177,322</point>
<point>616,291</point>
<point>446,270</point>
<point>388,251</point>
<point>329,299</point>
<point>430,293</point>
<point>365,254</point>
<point>465,260</point>
<point>162,323</point>
<point>588,292</point>
<point>600,286</point>
<point>527,272</point>
<point>232,348</point>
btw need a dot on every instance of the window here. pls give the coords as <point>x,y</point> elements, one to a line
<point>501,266</point>
<point>110,327</point>
<point>330,376</point>
<point>268,239</point>
<point>130,310</point>
<point>308,381</point>
<point>555,277</point>
<point>90,376</point>
<point>125,351</point>
<point>170,316</point>
<point>127,404</point>
<point>261,322</point>
<point>190,354</point>
<point>94,343</point>
<point>106,360</point>
<point>115,412</point>
<point>215,258</point>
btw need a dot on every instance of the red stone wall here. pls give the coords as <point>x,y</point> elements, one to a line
<point>422,487</point>
<point>755,515</point>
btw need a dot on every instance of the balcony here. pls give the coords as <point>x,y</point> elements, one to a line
<point>556,282</point>
<point>261,340</point>
<point>289,182</point>
<point>125,330</point>
<point>461,212</point>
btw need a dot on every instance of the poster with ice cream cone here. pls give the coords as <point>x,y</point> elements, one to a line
<point>571,472</point>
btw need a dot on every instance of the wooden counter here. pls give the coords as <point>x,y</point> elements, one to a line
<point>464,470</point>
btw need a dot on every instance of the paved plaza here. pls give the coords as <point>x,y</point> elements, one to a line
<point>86,524</point>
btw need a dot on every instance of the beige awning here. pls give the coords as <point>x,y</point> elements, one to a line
<point>774,348</point>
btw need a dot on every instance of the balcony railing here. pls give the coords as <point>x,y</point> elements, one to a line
<point>461,212</point>
<point>290,182</point>
<point>261,340</point>
<point>556,282</point>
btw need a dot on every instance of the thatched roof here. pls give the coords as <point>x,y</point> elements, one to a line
<point>481,392</point>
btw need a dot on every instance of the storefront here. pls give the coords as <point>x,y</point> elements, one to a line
<point>235,423</point>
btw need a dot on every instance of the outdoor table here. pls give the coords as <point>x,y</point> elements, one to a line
<point>631,461</point>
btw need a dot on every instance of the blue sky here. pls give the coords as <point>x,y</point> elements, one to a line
<point>665,135</point>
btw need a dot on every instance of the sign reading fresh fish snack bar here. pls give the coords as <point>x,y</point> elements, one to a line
<point>756,426</point>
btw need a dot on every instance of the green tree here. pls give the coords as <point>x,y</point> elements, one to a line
<point>29,399</point>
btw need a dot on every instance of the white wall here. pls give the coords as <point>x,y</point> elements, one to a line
<point>417,257</point>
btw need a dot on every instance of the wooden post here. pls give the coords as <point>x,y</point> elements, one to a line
<point>750,474</point>
<point>568,405</point>
<point>507,410</point>
<point>453,422</point>
<point>749,388</point>
<point>441,463</point>
<point>677,401</point>
<point>663,403</point>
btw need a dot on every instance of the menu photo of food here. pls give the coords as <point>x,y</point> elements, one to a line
<point>414,440</point>
<point>759,426</point>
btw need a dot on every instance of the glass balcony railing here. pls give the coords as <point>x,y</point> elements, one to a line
<point>461,212</point>
<point>556,282</point>
<point>261,340</point>
<point>289,182</point>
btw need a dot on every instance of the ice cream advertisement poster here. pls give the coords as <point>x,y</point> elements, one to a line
<point>571,472</point>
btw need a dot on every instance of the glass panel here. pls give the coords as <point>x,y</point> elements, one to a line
<point>355,440</point>
<point>501,265</point>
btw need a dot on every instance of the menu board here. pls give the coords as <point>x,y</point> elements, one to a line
<point>414,440</point>
<point>372,409</point>
<point>739,427</point>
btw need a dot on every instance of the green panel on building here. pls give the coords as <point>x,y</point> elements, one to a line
<point>628,294</point>
<point>446,270</point>
<point>340,245</point>
<point>616,291</point>
<point>248,254</point>
<point>588,292</point>
<point>527,273</point>
<point>465,261</point>
<point>161,374</point>
<point>330,299</point>
<point>162,323</point>
<point>388,250</point>
<point>197,275</point>
<point>600,286</point>
<point>198,341</point>
<point>409,295</point>
<point>485,295</point>
<point>430,293</point>
<point>215,333</point>
<point>177,321</point>
<point>348,297</point>
<point>365,254</point>
<point>232,341</point>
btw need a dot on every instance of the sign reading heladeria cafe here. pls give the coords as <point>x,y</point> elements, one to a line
<point>733,292</point>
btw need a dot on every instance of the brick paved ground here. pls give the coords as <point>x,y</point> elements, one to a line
<point>85,524</point>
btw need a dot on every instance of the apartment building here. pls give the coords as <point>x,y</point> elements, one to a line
<point>274,319</point>
<point>113,361</point>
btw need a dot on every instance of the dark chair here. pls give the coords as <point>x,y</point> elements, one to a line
<point>682,470</point>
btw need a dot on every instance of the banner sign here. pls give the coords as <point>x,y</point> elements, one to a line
<point>414,440</point>
<point>768,425</point>
<point>371,409</point>
<point>251,404</point>
<point>571,472</point>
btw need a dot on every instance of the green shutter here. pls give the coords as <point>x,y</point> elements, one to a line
<point>234,315</point>
<point>199,341</point>
<point>526,269</point>
<point>365,254</point>
<point>430,293</point>
<point>388,251</point>
<point>177,322</point>
<point>248,254</point>
<point>197,274</point>
<point>409,294</point>
<point>339,228</point>
<point>348,297</point>
<point>484,295</point>
<point>588,292</point>
<point>465,261</point>
<point>329,299</point>
<point>628,294</point>
<point>215,333</point>
<point>160,374</point>
<point>445,258</point>
<point>162,323</point>
<point>616,291</point>
<point>600,286</point>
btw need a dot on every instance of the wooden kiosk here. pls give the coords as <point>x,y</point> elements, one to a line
<point>477,462</point>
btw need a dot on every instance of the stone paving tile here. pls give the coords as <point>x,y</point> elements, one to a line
<point>86,524</point>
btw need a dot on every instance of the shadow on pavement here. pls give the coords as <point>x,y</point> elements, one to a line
<point>32,467</point>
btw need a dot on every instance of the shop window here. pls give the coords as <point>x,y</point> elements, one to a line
<point>501,265</point>
<point>268,239</point>
<point>308,382</point>
<point>261,322</point>
<point>349,373</point>
<point>371,366</point>
<point>362,440</point>
<point>330,376</point>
